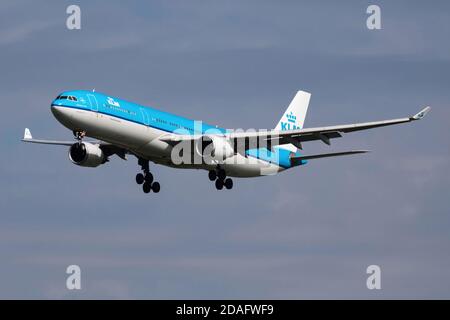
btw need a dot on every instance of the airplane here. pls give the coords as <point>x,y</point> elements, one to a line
<point>124,128</point>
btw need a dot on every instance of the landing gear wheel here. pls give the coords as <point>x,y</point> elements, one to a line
<point>140,178</point>
<point>148,178</point>
<point>219,184</point>
<point>156,187</point>
<point>212,175</point>
<point>221,174</point>
<point>228,184</point>
<point>147,187</point>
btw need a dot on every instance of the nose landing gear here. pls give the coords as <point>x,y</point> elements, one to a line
<point>219,175</point>
<point>79,134</point>
<point>146,178</point>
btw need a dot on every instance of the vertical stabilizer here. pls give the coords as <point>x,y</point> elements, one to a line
<point>294,116</point>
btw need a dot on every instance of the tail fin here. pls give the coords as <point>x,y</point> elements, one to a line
<point>294,116</point>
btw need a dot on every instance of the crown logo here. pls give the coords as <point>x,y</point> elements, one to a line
<point>291,117</point>
<point>112,102</point>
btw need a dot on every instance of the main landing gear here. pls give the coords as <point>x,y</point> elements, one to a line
<point>220,176</point>
<point>146,178</point>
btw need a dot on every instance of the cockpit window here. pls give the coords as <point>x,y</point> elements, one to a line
<point>72,98</point>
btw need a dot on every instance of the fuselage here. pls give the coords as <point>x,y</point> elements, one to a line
<point>139,129</point>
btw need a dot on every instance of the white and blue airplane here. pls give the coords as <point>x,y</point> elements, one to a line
<point>123,128</point>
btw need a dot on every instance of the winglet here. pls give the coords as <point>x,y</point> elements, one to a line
<point>421,114</point>
<point>27,134</point>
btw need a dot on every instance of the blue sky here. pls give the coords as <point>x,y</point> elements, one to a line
<point>308,233</point>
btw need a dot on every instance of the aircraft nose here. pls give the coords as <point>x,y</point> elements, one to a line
<point>60,113</point>
<point>55,110</point>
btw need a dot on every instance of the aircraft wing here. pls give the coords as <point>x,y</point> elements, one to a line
<point>108,148</point>
<point>296,137</point>
<point>27,137</point>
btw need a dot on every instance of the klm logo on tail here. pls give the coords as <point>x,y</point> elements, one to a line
<point>290,124</point>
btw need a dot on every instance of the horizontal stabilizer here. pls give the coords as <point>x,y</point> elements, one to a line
<point>298,160</point>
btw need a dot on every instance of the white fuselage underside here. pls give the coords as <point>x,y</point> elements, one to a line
<point>145,142</point>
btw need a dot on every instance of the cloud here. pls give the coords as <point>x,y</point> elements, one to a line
<point>23,32</point>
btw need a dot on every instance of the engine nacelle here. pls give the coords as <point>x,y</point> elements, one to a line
<point>214,148</point>
<point>86,154</point>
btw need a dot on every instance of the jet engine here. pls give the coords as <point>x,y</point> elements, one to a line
<point>86,154</point>
<point>214,148</point>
